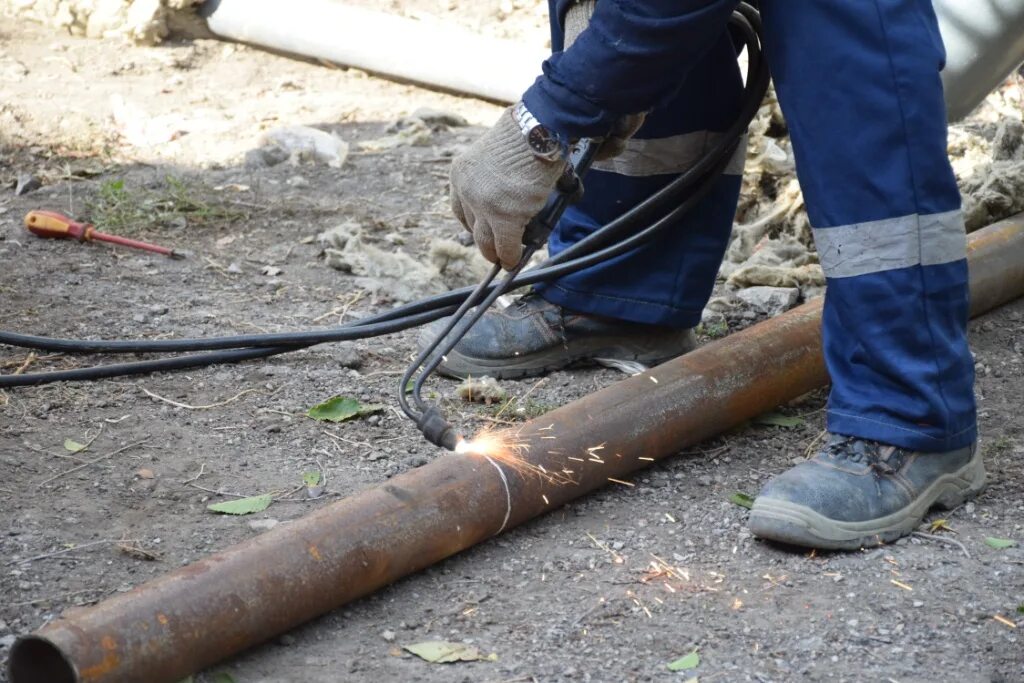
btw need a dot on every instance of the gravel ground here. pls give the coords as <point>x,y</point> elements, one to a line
<point>571,596</point>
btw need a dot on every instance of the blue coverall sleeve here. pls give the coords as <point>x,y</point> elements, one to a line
<point>633,54</point>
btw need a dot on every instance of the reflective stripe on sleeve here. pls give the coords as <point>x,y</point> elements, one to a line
<point>670,156</point>
<point>891,243</point>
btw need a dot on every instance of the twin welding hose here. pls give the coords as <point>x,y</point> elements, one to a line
<point>631,230</point>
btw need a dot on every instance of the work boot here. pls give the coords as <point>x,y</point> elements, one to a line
<point>857,493</point>
<point>534,336</point>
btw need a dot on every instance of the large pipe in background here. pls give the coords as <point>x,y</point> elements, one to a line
<point>200,614</point>
<point>984,44</point>
<point>433,53</point>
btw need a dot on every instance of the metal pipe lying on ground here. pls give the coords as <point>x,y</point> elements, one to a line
<point>984,44</point>
<point>200,614</point>
<point>427,52</point>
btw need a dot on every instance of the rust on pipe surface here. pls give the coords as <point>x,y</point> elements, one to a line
<point>197,615</point>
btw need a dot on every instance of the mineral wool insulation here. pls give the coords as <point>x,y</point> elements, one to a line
<point>144,22</point>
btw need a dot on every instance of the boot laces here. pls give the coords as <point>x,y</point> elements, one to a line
<point>881,458</point>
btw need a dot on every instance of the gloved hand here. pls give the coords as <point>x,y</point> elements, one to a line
<point>497,186</point>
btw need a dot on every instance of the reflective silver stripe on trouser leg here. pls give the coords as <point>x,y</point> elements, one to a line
<point>670,156</point>
<point>891,243</point>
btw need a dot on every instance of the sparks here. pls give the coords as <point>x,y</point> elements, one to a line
<point>505,448</point>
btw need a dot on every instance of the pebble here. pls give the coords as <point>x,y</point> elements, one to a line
<point>769,301</point>
<point>263,524</point>
<point>389,636</point>
<point>348,356</point>
<point>26,183</point>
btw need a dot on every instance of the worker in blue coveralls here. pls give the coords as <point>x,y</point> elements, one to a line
<point>859,86</point>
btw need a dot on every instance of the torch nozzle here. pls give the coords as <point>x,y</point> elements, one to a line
<point>436,429</point>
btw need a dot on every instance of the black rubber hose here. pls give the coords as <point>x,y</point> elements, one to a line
<point>583,254</point>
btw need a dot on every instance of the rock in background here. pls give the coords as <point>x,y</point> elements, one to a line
<point>144,22</point>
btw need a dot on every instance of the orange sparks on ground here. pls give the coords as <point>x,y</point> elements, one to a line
<point>900,584</point>
<point>1003,620</point>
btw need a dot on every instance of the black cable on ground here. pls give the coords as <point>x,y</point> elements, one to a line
<point>619,236</point>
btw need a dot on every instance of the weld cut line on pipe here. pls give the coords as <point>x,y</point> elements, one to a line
<point>508,495</point>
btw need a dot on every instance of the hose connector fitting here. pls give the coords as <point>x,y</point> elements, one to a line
<point>436,429</point>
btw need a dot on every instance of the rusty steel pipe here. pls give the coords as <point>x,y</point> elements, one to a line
<point>207,611</point>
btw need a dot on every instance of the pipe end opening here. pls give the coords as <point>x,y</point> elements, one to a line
<point>34,660</point>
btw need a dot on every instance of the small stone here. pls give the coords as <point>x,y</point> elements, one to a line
<point>234,269</point>
<point>297,181</point>
<point>271,155</point>
<point>263,524</point>
<point>918,603</point>
<point>770,301</point>
<point>271,271</point>
<point>145,473</point>
<point>349,356</point>
<point>26,183</point>
<point>389,636</point>
<point>436,117</point>
<point>704,480</point>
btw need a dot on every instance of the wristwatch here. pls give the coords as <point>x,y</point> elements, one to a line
<point>542,141</point>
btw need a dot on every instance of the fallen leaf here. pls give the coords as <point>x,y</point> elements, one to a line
<point>690,661</point>
<point>243,506</point>
<point>145,473</point>
<point>774,419</point>
<point>341,408</point>
<point>744,500</point>
<point>73,446</point>
<point>311,479</point>
<point>1020,609</point>
<point>441,652</point>
<point>940,525</point>
<point>1000,543</point>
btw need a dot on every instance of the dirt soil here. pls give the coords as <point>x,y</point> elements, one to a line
<point>569,597</point>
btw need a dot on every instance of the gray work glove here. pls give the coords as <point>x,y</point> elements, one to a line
<point>497,186</point>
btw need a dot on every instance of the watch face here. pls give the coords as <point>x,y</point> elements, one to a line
<point>542,141</point>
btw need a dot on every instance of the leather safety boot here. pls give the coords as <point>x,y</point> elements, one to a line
<point>857,493</point>
<point>534,336</point>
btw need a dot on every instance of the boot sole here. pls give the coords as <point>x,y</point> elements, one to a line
<point>794,524</point>
<point>458,365</point>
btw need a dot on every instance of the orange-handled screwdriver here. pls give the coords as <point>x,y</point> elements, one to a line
<point>56,225</point>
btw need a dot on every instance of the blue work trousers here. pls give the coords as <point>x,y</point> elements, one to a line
<point>859,85</point>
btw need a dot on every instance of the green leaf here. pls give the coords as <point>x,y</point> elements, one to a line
<point>73,446</point>
<point>744,500</point>
<point>690,661</point>
<point>311,479</point>
<point>1020,609</point>
<point>410,385</point>
<point>1000,543</point>
<point>441,652</point>
<point>222,677</point>
<point>243,506</point>
<point>341,408</point>
<point>774,419</point>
